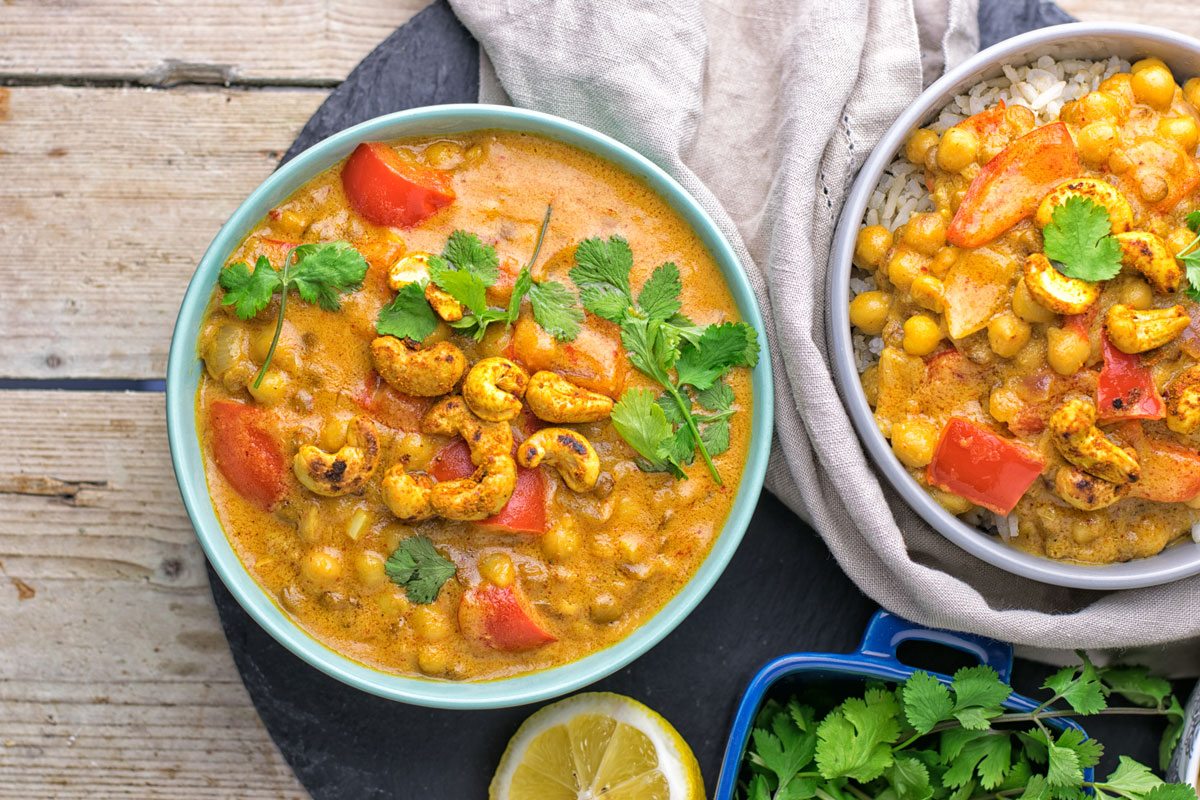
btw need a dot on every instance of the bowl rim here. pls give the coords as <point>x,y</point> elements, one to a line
<point>183,368</point>
<point>1181,560</point>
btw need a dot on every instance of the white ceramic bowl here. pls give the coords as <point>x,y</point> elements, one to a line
<point>1079,40</point>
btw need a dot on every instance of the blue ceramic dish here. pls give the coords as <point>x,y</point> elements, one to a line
<point>875,659</point>
<point>184,370</point>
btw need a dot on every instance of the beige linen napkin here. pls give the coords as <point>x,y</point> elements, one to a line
<point>764,110</point>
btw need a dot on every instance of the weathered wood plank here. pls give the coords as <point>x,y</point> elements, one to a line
<point>307,41</point>
<point>1178,15</point>
<point>115,677</point>
<point>103,223</point>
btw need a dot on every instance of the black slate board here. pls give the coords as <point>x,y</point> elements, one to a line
<point>782,592</point>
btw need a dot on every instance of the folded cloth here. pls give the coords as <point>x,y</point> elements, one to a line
<point>764,111</point>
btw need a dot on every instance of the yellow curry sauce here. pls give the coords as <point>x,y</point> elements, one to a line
<point>1091,388</point>
<point>609,557</point>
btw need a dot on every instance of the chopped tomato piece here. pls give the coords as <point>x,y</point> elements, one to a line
<point>1170,472</point>
<point>525,511</point>
<point>498,617</point>
<point>1010,186</point>
<point>990,471</point>
<point>594,360</point>
<point>386,405</point>
<point>249,457</point>
<point>500,292</point>
<point>452,462</point>
<point>1126,389</point>
<point>388,189</point>
<point>986,122</point>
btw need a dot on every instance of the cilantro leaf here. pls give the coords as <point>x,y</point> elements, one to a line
<point>1171,791</point>
<point>926,702</point>
<point>1080,687</point>
<point>718,397</point>
<point>521,287</point>
<point>1065,769</point>
<point>715,436</point>
<point>785,749</point>
<point>1137,685</point>
<point>321,272</point>
<point>642,423</point>
<point>1191,265</point>
<point>659,297</point>
<point>249,292</point>
<point>854,741</point>
<point>909,779</point>
<point>467,253</point>
<point>408,316</point>
<point>721,347</point>
<point>1131,778</point>
<point>1036,789</point>
<point>1173,733</point>
<point>1079,241</point>
<point>978,693</point>
<point>419,568</point>
<point>601,272</point>
<point>463,285</point>
<point>1193,221</point>
<point>554,309</point>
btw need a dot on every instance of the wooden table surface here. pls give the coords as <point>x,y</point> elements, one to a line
<point>129,131</point>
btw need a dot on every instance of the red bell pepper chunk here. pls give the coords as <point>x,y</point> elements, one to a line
<point>988,470</point>
<point>388,189</point>
<point>386,405</point>
<point>525,511</point>
<point>1126,389</point>
<point>249,457</point>
<point>1010,186</point>
<point>1170,472</point>
<point>498,617</point>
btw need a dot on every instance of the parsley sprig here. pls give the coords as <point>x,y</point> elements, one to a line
<point>1190,258</point>
<point>320,273</point>
<point>417,566</point>
<point>668,430</point>
<point>928,741</point>
<point>1079,241</point>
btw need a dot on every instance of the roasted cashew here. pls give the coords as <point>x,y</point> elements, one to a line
<point>1148,254</point>
<point>415,267</point>
<point>1183,402</point>
<point>1056,291</point>
<point>1101,192</point>
<point>422,373</point>
<point>1087,492</point>
<point>565,450</point>
<point>450,416</point>
<point>1132,331</point>
<point>481,495</point>
<point>407,494</point>
<point>1076,436</point>
<point>494,388</point>
<point>553,398</point>
<point>347,470</point>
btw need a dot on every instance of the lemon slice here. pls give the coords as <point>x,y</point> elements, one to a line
<point>597,746</point>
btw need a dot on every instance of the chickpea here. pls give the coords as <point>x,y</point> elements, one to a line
<point>914,441</point>
<point>1007,334</point>
<point>925,233</point>
<point>922,335</point>
<point>260,342</point>
<point>272,390</point>
<point>368,566</point>
<point>432,661</point>
<point>322,565</point>
<point>1066,350</point>
<point>1094,107</point>
<point>474,153</point>
<point>333,434</point>
<point>1154,85</point>
<point>1119,161</point>
<point>946,258</point>
<point>1118,87</point>
<point>444,155</point>
<point>497,568</point>
<point>430,624</point>
<point>1182,129</point>
<point>561,541</point>
<point>1179,239</point>
<point>1191,92</point>
<point>1153,186</point>
<point>1095,141</point>
<point>904,266</point>
<point>870,384</point>
<point>869,310</point>
<point>418,449</point>
<point>604,608</point>
<point>1143,63</point>
<point>919,144</point>
<point>1003,404</point>
<point>929,292</point>
<point>958,148</point>
<point>955,504</point>
<point>393,602</point>
<point>871,246</point>
<point>1136,293</point>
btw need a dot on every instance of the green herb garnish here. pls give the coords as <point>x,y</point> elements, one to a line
<point>319,272</point>
<point>419,568</point>
<point>1079,241</point>
<point>925,740</point>
<point>666,432</point>
<point>1190,258</point>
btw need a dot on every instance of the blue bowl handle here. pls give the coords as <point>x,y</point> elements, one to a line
<point>886,632</point>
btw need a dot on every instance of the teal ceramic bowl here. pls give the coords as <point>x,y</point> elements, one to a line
<point>184,370</point>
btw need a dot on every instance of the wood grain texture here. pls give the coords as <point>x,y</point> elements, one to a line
<point>115,678</point>
<point>214,41</point>
<point>1177,15</point>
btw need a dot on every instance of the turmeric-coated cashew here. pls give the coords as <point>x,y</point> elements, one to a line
<point>567,451</point>
<point>1087,492</point>
<point>1101,192</point>
<point>494,387</point>
<point>414,267</point>
<point>347,470</point>
<point>1080,442</point>
<point>1183,402</point>
<point>419,372</point>
<point>406,494</point>
<point>1149,255</point>
<point>553,398</point>
<point>479,496</point>
<point>450,416</point>
<point>1055,291</point>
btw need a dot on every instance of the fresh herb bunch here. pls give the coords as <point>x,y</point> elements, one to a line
<point>320,274</point>
<point>465,270</point>
<point>1079,241</point>
<point>1190,258</point>
<point>666,431</point>
<point>926,741</point>
<point>419,568</point>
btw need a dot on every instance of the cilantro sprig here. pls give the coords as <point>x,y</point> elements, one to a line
<point>925,740</point>
<point>668,430</point>
<point>1079,241</point>
<point>320,273</point>
<point>419,568</point>
<point>1189,257</point>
